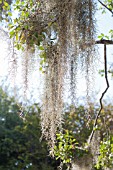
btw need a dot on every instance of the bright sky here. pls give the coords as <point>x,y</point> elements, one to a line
<point>104,24</point>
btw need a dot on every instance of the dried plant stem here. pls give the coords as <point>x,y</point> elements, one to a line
<point>101,105</point>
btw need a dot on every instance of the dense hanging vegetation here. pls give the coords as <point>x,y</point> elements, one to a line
<point>64,33</point>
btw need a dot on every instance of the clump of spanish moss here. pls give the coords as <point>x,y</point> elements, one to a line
<point>66,30</point>
<point>27,67</point>
<point>75,25</point>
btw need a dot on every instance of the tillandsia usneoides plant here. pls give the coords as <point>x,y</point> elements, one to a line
<point>65,33</point>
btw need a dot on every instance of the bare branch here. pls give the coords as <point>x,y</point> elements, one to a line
<point>101,105</point>
<point>103,41</point>
<point>105,6</point>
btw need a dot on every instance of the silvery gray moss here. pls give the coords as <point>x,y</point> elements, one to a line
<point>65,31</point>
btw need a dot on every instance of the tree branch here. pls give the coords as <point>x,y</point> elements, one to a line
<point>105,6</point>
<point>101,105</point>
<point>104,41</point>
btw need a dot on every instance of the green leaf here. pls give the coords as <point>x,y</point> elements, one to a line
<point>40,68</point>
<point>41,48</point>
<point>10,14</point>
<point>6,4</point>
<point>12,33</point>
<point>101,36</point>
<point>27,14</point>
<point>18,46</point>
<point>10,25</point>
<point>41,62</point>
<point>15,20</point>
<point>111,31</point>
<point>22,3</point>
<point>107,37</point>
<point>16,36</point>
<point>26,27</point>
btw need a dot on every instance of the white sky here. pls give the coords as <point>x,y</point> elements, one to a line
<point>104,24</point>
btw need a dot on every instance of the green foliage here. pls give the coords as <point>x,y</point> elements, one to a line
<point>65,147</point>
<point>43,59</point>
<point>75,134</point>
<point>102,36</point>
<point>110,71</point>
<point>75,127</point>
<point>20,145</point>
<point>78,122</point>
<point>111,32</point>
<point>4,9</point>
<point>19,139</point>
<point>109,4</point>
<point>101,72</point>
<point>108,37</point>
<point>105,158</point>
<point>20,27</point>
